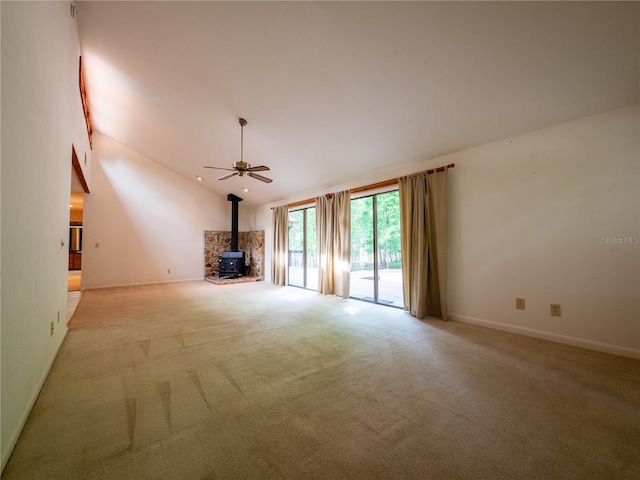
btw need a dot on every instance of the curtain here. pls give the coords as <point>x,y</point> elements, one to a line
<point>423,226</point>
<point>279,252</point>
<point>333,229</point>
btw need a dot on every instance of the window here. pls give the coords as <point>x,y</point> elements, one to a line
<point>303,253</point>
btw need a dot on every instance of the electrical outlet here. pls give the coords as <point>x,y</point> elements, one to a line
<point>520,303</point>
<point>555,310</point>
<point>53,326</point>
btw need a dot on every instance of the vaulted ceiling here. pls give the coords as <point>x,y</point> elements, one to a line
<point>334,90</point>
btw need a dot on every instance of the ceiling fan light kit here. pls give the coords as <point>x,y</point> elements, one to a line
<point>241,168</point>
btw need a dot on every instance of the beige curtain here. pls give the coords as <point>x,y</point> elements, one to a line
<point>423,225</point>
<point>333,229</point>
<point>279,252</point>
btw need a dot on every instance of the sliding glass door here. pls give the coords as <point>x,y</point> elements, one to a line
<point>303,256</point>
<point>376,258</point>
<point>376,270</point>
<point>362,283</point>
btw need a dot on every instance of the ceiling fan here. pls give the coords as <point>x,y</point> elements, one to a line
<point>241,168</point>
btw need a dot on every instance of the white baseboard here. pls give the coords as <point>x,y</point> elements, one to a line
<point>553,337</point>
<point>7,449</point>
<point>140,284</point>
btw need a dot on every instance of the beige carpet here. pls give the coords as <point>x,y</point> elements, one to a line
<point>251,381</point>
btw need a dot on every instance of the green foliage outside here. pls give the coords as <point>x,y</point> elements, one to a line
<point>389,246</point>
<point>297,221</point>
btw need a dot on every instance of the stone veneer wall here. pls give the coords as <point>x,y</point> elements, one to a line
<point>252,243</point>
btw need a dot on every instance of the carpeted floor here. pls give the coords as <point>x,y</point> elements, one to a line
<point>252,381</point>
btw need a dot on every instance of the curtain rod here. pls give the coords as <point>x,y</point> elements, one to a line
<point>372,186</point>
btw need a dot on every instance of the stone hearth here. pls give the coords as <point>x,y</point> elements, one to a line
<point>229,281</point>
<point>252,243</point>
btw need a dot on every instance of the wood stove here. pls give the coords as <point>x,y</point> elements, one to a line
<point>232,264</point>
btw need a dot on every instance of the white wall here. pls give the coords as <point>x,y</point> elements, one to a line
<point>41,118</point>
<point>530,217</point>
<point>146,219</point>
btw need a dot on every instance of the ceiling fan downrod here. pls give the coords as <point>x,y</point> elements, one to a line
<point>241,165</point>
<point>243,122</point>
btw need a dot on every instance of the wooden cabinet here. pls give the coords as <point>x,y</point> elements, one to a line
<point>75,260</point>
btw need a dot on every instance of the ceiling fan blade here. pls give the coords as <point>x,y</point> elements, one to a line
<point>259,168</point>
<point>221,168</point>
<point>260,177</point>
<point>229,175</point>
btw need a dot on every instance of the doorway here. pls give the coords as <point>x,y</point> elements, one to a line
<point>76,210</point>
<point>76,213</point>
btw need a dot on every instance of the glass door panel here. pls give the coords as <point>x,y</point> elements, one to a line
<point>362,249</point>
<point>376,259</point>
<point>296,248</point>
<point>311,250</point>
<point>389,253</point>
<point>303,261</point>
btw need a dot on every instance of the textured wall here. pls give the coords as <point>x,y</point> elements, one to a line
<point>252,243</point>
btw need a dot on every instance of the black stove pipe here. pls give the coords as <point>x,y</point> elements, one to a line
<point>234,220</point>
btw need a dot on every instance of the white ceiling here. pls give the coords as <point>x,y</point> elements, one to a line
<point>332,90</point>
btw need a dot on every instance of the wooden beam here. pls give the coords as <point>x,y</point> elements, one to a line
<point>85,103</point>
<point>78,169</point>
